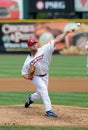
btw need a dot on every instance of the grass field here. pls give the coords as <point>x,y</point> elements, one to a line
<point>37,128</point>
<point>61,66</point>
<point>58,98</point>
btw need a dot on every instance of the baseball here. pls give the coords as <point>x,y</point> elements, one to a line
<point>78,24</point>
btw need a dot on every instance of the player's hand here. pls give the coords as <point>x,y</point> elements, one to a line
<point>30,77</point>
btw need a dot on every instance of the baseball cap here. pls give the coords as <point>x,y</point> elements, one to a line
<point>31,41</point>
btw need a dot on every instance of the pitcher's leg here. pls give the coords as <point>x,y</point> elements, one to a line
<point>45,97</point>
<point>42,89</point>
<point>35,96</point>
<point>31,98</point>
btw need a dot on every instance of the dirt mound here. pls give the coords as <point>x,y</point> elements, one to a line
<point>35,116</point>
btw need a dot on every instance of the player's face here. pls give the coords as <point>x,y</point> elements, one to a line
<point>34,47</point>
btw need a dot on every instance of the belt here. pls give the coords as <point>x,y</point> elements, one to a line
<point>41,75</point>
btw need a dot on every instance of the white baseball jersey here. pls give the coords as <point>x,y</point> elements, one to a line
<point>41,60</point>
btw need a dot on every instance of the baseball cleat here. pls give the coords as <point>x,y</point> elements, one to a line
<point>51,113</point>
<point>28,102</point>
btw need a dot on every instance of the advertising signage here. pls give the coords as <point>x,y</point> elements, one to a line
<point>51,6</point>
<point>13,36</point>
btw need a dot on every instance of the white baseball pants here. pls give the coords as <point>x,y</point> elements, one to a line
<point>41,84</point>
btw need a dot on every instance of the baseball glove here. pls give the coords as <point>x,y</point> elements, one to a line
<point>31,72</point>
